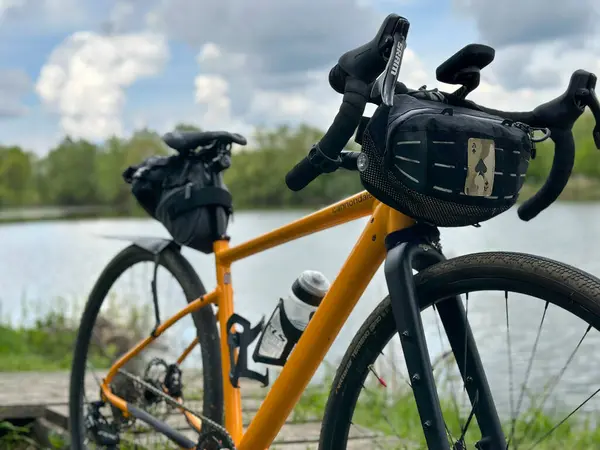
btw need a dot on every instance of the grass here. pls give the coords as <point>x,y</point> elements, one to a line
<point>47,346</point>
<point>16,437</point>
<point>393,412</point>
<point>22,437</point>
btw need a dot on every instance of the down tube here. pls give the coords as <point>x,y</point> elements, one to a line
<point>355,275</point>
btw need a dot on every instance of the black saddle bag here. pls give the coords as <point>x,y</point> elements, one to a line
<point>443,164</point>
<point>191,202</point>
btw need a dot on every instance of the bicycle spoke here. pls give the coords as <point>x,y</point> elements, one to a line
<point>404,377</point>
<point>392,428</point>
<point>564,420</point>
<point>461,439</point>
<point>554,382</point>
<point>527,374</point>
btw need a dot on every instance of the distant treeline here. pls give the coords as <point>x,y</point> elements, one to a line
<point>81,173</point>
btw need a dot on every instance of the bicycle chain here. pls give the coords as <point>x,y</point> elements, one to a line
<point>207,432</point>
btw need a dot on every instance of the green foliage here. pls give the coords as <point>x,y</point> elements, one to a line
<point>394,413</point>
<point>81,173</point>
<point>48,343</point>
<point>256,177</point>
<point>46,346</point>
<point>16,437</point>
<point>17,178</point>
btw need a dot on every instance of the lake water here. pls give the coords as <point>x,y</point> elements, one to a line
<point>44,261</point>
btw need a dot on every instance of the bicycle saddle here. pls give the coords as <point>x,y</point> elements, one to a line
<point>185,141</point>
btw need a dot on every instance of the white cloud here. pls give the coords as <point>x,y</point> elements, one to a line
<point>120,14</point>
<point>275,70</point>
<point>521,79</point>
<point>209,51</point>
<point>7,5</point>
<point>539,42</point>
<point>42,12</point>
<point>85,78</point>
<point>212,92</point>
<point>316,103</point>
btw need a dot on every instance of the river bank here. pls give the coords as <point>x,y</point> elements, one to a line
<point>579,190</point>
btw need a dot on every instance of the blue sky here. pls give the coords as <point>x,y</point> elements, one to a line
<point>93,68</point>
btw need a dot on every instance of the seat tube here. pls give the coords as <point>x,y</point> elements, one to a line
<point>232,395</point>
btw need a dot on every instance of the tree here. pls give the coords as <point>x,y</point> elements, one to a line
<point>117,155</point>
<point>70,175</point>
<point>17,184</point>
<point>78,172</point>
<point>187,127</point>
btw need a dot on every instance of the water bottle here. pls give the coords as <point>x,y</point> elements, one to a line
<point>290,318</point>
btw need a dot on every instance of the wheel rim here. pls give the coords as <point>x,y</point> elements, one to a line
<point>527,420</point>
<point>139,275</point>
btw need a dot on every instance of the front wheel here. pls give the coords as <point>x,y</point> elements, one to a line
<point>531,348</point>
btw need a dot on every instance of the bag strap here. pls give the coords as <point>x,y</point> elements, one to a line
<point>360,131</point>
<point>194,196</point>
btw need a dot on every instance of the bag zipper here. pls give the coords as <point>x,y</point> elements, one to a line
<point>187,193</point>
<point>404,117</point>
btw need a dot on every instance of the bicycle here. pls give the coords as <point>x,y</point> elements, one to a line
<point>404,243</point>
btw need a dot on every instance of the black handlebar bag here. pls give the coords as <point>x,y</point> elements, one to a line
<point>188,199</point>
<point>446,165</point>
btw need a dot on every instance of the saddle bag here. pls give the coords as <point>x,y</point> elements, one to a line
<point>443,164</point>
<point>191,202</point>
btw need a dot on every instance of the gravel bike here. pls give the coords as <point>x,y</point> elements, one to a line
<point>402,243</point>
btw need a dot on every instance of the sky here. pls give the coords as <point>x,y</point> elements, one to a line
<point>97,68</point>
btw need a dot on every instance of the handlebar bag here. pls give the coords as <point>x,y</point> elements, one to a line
<point>446,165</point>
<point>185,196</point>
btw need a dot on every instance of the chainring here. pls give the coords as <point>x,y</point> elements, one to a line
<point>215,440</point>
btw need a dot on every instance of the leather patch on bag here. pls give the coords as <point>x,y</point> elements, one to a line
<point>481,164</point>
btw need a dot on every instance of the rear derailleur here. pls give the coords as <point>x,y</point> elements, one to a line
<point>102,432</point>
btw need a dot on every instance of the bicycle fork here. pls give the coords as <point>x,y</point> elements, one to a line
<point>409,249</point>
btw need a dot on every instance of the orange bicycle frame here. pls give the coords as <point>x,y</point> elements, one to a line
<point>364,260</point>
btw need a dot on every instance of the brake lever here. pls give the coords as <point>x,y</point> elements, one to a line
<point>376,98</point>
<point>595,107</point>
<point>386,84</point>
<point>587,97</point>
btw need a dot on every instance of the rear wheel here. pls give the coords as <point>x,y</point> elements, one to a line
<point>124,291</point>
<point>560,320</point>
